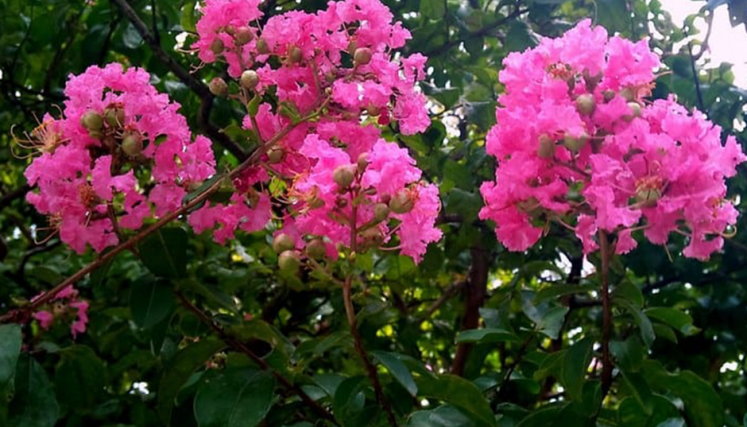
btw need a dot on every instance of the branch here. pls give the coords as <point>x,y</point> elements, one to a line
<point>370,368</point>
<point>241,347</point>
<point>696,79</point>
<point>197,86</point>
<point>482,32</point>
<point>606,252</point>
<point>474,293</point>
<point>22,314</point>
<point>18,193</point>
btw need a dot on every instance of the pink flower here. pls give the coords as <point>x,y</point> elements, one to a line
<point>575,140</point>
<point>63,302</point>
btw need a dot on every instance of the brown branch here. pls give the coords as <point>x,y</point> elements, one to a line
<point>474,294</point>
<point>606,252</point>
<point>370,368</point>
<point>197,86</point>
<point>447,294</point>
<point>241,347</point>
<point>22,314</point>
<point>18,193</point>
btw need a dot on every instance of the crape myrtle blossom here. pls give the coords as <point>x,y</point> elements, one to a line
<point>113,126</point>
<point>577,142</point>
<point>343,181</point>
<point>61,307</point>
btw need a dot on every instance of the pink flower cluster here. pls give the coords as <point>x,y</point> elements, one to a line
<point>61,306</point>
<point>577,140</point>
<point>335,77</point>
<point>89,173</point>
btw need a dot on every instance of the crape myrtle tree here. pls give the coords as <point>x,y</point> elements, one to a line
<point>369,213</point>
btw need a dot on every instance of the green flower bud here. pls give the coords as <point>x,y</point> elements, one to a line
<point>283,242</point>
<point>635,111</point>
<point>608,95</point>
<point>132,144</point>
<point>546,149</point>
<point>362,161</point>
<point>218,87</point>
<point>217,46</point>
<point>585,104</point>
<point>262,47</point>
<point>402,202</point>
<point>362,56</point>
<point>628,94</point>
<point>295,55</point>
<point>249,79</point>
<point>647,196</point>
<point>92,120</point>
<point>316,249</point>
<point>114,115</point>
<point>244,35</point>
<point>575,144</point>
<point>289,262</point>
<point>275,155</point>
<point>381,212</point>
<point>343,176</point>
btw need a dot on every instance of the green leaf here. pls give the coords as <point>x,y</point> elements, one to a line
<point>398,370</point>
<point>628,354</point>
<point>234,398</point>
<point>543,417</point>
<point>443,416</point>
<point>80,378</point>
<point>574,367</point>
<point>644,324</point>
<point>613,15</point>
<point>677,319</point>
<point>627,291</point>
<point>11,340</point>
<point>34,403</point>
<point>433,9</point>
<point>552,321</point>
<point>486,335</point>
<point>703,406</point>
<point>151,301</point>
<point>639,389</point>
<point>178,370</point>
<point>189,16</point>
<point>551,292</point>
<point>458,392</point>
<point>165,253</point>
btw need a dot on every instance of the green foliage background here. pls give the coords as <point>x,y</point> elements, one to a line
<point>473,336</point>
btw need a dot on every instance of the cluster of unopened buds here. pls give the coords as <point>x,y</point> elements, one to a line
<point>597,155</point>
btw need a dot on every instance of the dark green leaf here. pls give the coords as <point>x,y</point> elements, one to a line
<point>80,378</point>
<point>575,364</point>
<point>10,348</point>
<point>486,335</point>
<point>234,398</point>
<point>165,253</point>
<point>151,301</point>
<point>398,370</point>
<point>458,392</point>
<point>34,403</point>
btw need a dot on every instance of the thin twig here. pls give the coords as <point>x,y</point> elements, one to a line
<point>240,346</point>
<point>696,79</point>
<point>606,255</point>
<point>197,86</point>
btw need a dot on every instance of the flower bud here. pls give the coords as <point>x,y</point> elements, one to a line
<point>352,47</point>
<point>249,79</point>
<point>341,202</point>
<point>218,87</point>
<point>362,161</point>
<point>608,95</point>
<point>295,55</point>
<point>244,35</point>
<point>647,196</point>
<point>402,202</point>
<point>343,176</point>
<point>635,111</point>
<point>95,134</point>
<point>381,212</point>
<point>289,262</point>
<point>132,144</point>
<point>92,121</point>
<point>373,110</point>
<point>362,56</point>
<point>546,148</point>
<point>275,155</point>
<point>114,115</point>
<point>230,30</point>
<point>283,242</point>
<point>315,202</point>
<point>575,144</point>
<point>316,249</point>
<point>262,47</point>
<point>628,94</point>
<point>217,46</point>
<point>585,104</point>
